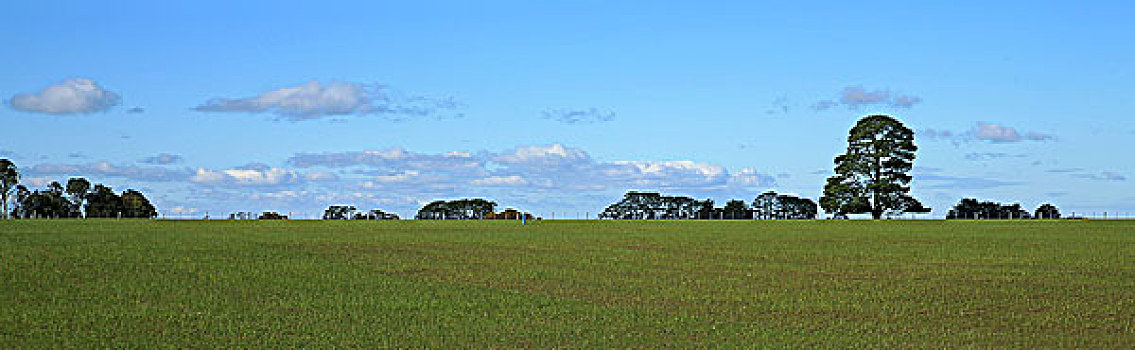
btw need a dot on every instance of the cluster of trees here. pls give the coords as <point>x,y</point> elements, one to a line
<point>773,206</point>
<point>653,205</point>
<point>970,208</point>
<point>78,199</point>
<point>461,209</point>
<point>348,212</point>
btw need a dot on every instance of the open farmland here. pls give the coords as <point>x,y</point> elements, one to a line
<point>444,284</point>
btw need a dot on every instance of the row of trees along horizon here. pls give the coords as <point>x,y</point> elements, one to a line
<point>871,177</point>
<point>79,199</point>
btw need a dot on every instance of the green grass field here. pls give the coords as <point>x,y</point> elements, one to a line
<point>88,284</point>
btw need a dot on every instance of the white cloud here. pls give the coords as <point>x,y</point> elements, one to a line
<point>513,180</point>
<point>313,100</point>
<point>985,131</point>
<point>247,176</point>
<point>855,97</point>
<point>71,96</point>
<point>998,133</point>
<point>543,155</point>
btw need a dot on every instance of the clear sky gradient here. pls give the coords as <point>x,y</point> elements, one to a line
<point>291,106</point>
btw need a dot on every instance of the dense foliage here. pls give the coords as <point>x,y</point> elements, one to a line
<point>461,209</point>
<point>871,177</point>
<point>970,208</point>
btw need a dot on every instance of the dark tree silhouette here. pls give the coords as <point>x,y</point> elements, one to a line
<point>339,212</point>
<point>871,177</point>
<point>9,178</point>
<point>1047,211</point>
<point>102,202</point>
<point>737,209</point>
<point>135,205</point>
<point>970,208</point>
<point>461,209</point>
<point>77,188</point>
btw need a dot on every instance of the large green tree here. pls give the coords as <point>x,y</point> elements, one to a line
<point>9,178</point>
<point>77,187</point>
<point>135,205</point>
<point>872,177</point>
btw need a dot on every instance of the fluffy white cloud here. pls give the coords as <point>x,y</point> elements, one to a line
<point>554,154</point>
<point>247,176</point>
<point>314,100</point>
<point>71,96</point>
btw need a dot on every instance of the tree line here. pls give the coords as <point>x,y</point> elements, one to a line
<point>971,208</point>
<point>655,206</point>
<point>78,199</point>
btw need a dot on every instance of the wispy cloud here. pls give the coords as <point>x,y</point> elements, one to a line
<point>71,96</point>
<point>856,97</point>
<point>982,156</point>
<point>998,133</point>
<point>108,169</point>
<point>579,116</point>
<point>162,159</point>
<point>938,181</point>
<point>1101,176</point>
<point>985,132</point>
<point>314,100</point>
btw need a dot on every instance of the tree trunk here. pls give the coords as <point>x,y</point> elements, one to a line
<point>876,214</point>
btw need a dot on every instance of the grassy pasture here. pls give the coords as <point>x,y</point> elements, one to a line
<point>134,283</point>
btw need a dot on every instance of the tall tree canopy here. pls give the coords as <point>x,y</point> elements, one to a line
<point>872,176</point>
<point>9,178</point>
<point>77,187</point>
<point>135,205</point>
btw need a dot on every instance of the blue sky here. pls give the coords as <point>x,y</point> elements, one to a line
<point>215,106</point>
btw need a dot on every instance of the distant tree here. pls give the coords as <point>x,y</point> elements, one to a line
<point>47,203</point>
<point>737,209</point>
<point>871,177</point>
<point>766,205</point>
<point>706,211</point>
<point>339,212</point>
<point>9,178</point>
<point>376,214</point>
<point>102,202</point>
<point>796,208</point>
<point>970,208</point>
<point>1047,211</point>
<point>22,193</point>
<point>461,209</point>
<point>135,205</point>
<point>637,205</point>
<point>271,215</point>
<point>77,188</point>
